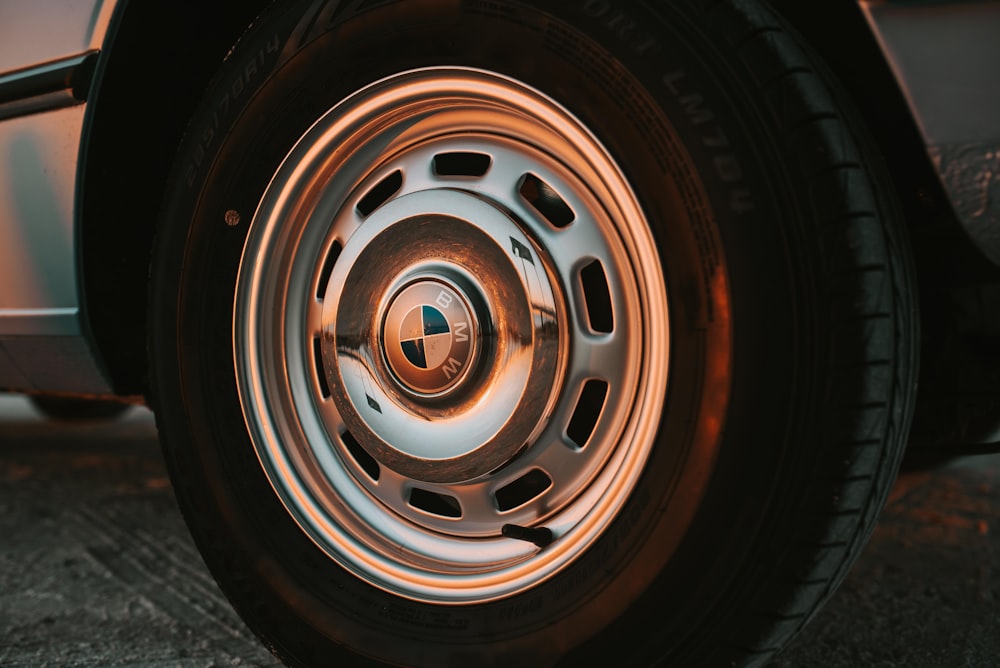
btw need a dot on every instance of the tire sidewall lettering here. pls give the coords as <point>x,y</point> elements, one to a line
<point>228,104</point>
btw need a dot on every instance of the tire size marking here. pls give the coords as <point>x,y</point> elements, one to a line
<point>436,620</point>
<point>727,165</point>
<point>518,610</point>
<point>225,103</point>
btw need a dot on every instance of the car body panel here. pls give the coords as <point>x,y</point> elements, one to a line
<point>945,56</point>
<point>42,327</point>
<point>41,32</point>
<point>43,334</point>
<point>39,156</point>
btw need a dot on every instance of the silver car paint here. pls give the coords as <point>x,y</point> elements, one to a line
<point>43,343</point>
<point>36,31</point>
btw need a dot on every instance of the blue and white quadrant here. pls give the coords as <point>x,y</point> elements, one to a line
<point>425,337</point>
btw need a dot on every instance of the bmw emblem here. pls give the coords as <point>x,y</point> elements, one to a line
<point>429,337</point>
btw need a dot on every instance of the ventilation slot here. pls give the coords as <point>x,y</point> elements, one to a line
<point>522,490</point>
<point>597,296</point>
<point>434,503</point>
<point>461,164</point>
<point>361,456</point>
<point>324,389</point>
<point>546,201</point>
<point>324,277</point>
<point>380,194</point>
<point>588,411</point>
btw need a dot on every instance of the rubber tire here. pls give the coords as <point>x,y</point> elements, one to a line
<point>816,319</point>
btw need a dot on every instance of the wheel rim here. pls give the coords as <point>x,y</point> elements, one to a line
<point>451,336</point>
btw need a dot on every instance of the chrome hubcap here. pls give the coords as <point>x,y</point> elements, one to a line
<point>441,338</point>
<point>451,336</point>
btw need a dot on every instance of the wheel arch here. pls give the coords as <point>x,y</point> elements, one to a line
<point>954,274</point>
<point>156,62</point>
<point>866,76</point>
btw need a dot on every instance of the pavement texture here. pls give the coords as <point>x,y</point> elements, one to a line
<point>97,568</point>
<point>926,591</point>
<point>96,565</point>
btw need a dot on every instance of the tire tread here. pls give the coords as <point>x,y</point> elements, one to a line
<point>821,139</point>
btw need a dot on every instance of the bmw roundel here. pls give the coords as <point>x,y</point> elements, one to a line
<point>428,338</point>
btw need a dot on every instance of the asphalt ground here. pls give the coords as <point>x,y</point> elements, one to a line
<point>97,568</point>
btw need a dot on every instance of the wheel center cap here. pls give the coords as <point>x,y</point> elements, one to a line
<point>429,337</point>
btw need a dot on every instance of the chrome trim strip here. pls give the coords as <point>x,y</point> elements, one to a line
<point>53,85</point>
<point>40,321</point>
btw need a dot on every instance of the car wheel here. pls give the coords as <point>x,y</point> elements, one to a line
<point>497,332</point>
